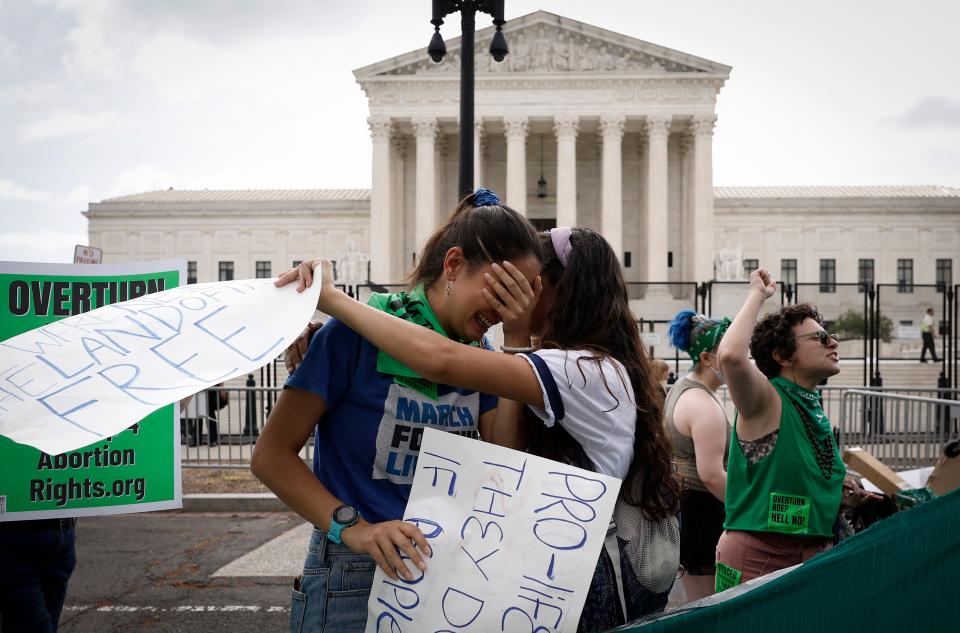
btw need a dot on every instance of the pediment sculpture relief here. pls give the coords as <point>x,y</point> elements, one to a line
<point>549,49</point>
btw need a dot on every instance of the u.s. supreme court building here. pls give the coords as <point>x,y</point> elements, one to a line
<point>620,130</point>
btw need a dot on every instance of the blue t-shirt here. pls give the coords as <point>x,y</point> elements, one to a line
<point>367,442</point>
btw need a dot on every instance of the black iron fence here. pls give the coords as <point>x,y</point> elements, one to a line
<point>878,324</point>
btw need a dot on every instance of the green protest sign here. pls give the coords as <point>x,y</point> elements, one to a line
<point>134,471</point>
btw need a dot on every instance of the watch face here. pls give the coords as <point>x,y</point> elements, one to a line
<point>345,515</point>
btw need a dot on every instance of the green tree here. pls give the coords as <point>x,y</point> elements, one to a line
<point>850,325</point>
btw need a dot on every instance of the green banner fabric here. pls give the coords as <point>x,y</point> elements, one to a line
<point>899,575</point>
<point>133,471</point>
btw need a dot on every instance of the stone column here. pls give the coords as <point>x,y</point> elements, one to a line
<point>656,236</point>
<point>565,128</point>
<point>611,187</point>
<point>397,238</point>
<point>684,259</point>
<point>425,212</point>
<point>478,133</point>
<point>381,203</point>
<point>515,128</point>
<point>703,247</point>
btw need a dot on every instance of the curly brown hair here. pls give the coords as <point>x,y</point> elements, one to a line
<point>774,333</point>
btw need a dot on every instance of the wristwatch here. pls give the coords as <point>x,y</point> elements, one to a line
<point>343,517</point>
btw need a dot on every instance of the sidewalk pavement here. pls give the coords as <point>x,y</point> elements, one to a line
<point>233,502</point>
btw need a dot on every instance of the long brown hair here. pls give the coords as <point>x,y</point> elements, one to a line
<point>591,311</point>
<point>486,234</point>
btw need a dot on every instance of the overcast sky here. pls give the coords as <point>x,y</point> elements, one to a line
<point>100,98</point>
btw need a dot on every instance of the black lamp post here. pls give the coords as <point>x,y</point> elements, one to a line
<point>437,49</point>
<point>542,183</point>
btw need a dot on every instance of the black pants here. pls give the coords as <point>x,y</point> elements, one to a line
<point>36,560</point>
<point>191,431</point>
<point>928,344</point>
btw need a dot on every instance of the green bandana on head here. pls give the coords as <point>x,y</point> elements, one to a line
<point>708,339</point>
<point>410,306</point>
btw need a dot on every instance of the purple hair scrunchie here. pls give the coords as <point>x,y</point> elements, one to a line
<point>560,237</point>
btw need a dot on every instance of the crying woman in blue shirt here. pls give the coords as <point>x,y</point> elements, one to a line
<point>576,386</point>
<point>368,412</point>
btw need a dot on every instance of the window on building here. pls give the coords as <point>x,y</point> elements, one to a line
<point>191,272</point>
<point>864,275</point>
<point>263,270</point>
<point>828,275</point>
<point>788,272</point>
<point>750,265</point>
<point>944,274</point>
<point>226,271</point>
<point>904,275</point>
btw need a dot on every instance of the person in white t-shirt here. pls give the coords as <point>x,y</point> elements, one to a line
<point>587,396</point>
<point>926,333</point>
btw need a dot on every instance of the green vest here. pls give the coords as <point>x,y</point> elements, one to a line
<point>795,489</point>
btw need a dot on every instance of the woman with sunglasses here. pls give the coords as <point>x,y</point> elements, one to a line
<point>784,474</point>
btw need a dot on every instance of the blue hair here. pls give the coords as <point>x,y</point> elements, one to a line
<point>680,328</point>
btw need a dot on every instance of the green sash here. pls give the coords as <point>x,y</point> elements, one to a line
<point>410,306</point>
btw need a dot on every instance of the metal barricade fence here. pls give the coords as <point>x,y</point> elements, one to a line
<point>902,431</point>
<point>212,437</point>
<point>892,425</point>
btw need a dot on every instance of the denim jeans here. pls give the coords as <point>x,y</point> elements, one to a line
<point>332,594</point>
<point>36,560</point>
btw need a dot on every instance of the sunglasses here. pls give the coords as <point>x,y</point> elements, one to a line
<point>822,336</point>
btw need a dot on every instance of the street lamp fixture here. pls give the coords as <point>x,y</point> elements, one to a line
<point>437,49</point>
<point>542,183</point>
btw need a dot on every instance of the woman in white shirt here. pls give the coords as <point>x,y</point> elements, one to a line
<point>589,385</point>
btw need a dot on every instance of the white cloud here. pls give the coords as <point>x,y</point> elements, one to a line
<point>64,124</point>
<point>8,50</point>
<point>88,52</point>
<point>139,179</point>
<point>932,113</point>
<point>75,199</point>
<point>41,246</point>
<point>29,93</point>
<point>10,190</point>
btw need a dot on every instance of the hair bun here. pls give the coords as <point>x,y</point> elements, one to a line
<point>483,197</point>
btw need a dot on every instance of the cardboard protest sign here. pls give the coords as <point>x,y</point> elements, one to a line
<point>75,381</point>
<point>135,470</point>
<point>515,541</point>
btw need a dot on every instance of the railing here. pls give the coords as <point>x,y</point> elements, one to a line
<point>902,431</point>
<point>224,438</point>
<point>831,397</point>
<point>903,427</point>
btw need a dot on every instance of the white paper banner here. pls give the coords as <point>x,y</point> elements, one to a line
<point>70,383</point>
<point>515,541</point>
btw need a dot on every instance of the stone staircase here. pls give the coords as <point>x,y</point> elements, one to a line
<point>894,374</point>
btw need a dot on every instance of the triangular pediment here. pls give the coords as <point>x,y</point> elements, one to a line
<point>544,43</point>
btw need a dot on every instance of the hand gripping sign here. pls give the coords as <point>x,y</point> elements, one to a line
<point>515,539</point>
<point>69,383</point>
